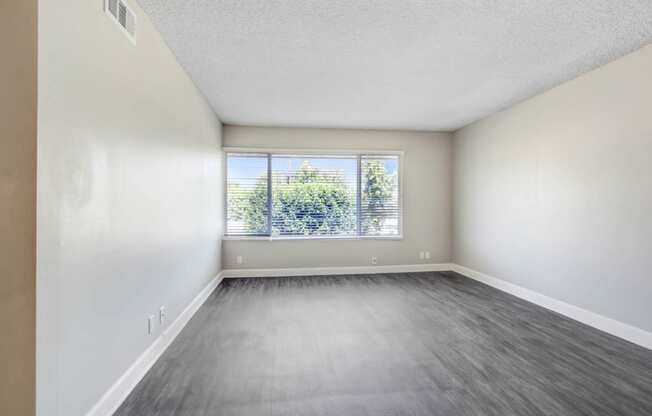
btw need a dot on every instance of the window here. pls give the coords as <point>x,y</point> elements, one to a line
<point>312,196</point>
<point>247,191</point>
<point>379,202</point>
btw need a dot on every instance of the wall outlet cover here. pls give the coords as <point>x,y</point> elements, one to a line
<point>162,315</point>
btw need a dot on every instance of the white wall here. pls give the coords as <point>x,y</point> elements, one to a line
<point>427,200</point>
<point>555,194</point>
<point>129,198</point>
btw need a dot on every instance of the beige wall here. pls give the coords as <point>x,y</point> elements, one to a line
<point>17,206</point>
<point>555,194</point>
<point>129,198</point>
<point>426,189</point>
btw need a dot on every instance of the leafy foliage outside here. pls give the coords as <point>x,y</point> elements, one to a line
<point>311,202</point>
<point>377,193</point>
<point>249,206</point>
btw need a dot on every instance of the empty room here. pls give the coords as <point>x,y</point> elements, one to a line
<point>313,208</point>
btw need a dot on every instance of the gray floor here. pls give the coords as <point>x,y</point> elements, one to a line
<point>396,344</point>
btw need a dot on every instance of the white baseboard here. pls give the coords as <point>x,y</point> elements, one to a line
<point>608,325</point>
<point>321,271</point>
<point>119,391</point>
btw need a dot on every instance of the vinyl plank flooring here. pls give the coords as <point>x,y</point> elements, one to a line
<point>393,344</point>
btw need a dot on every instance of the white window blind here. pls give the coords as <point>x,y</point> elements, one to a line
<point>380,210</point>
<point>313,196</point>
<point>247,200</point>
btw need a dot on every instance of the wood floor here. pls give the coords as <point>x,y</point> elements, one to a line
<point>395,344</point>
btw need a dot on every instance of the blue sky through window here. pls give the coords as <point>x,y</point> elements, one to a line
<point>253,167</point>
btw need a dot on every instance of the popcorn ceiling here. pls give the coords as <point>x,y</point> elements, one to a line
<point>420,64</point>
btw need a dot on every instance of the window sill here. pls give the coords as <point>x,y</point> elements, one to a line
<point>347,238</point>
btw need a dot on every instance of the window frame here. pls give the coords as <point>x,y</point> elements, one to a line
<point>399,154</point>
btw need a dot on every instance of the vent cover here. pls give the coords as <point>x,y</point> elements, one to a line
<point>123,16</point>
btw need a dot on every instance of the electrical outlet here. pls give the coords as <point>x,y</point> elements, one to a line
<point>162,315</point>
<point>422,255</point>
<point>150,325</point>
<point>428,255</point>
<point>238,260</point>
<point>374,260</point>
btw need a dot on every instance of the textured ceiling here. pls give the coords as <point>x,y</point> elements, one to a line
<point>419,64</point>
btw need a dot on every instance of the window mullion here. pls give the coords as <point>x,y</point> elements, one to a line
<point>358,197</point>
<point>269,194</point>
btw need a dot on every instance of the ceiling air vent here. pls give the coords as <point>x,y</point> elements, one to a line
<point>123,16</point>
